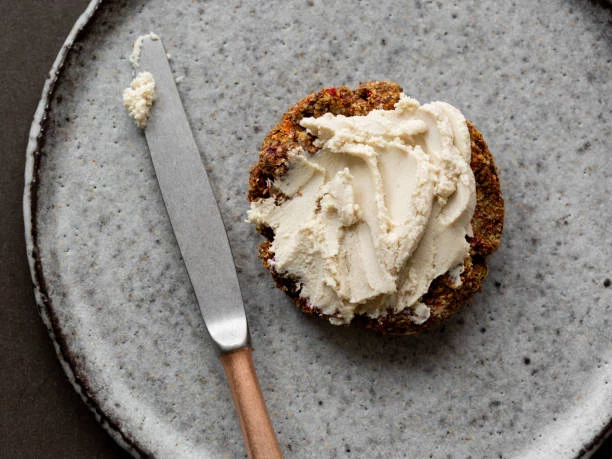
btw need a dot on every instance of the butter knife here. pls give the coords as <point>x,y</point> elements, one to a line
<point>203,242</point>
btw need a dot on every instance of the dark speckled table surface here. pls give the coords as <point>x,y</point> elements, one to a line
<point>40,413</point>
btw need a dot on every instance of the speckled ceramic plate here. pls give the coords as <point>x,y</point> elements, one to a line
<point>523,371</point>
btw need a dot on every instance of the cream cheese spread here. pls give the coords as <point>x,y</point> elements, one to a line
<point>135,56</point>
<point>380,211</point>
<point>139,97</point>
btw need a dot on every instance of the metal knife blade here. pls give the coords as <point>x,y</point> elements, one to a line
<point>201,236</point>
<point>192,207</point>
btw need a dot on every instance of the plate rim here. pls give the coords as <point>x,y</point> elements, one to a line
<point>36,140</point>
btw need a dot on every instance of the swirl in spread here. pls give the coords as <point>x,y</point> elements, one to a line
<point>380,211</point>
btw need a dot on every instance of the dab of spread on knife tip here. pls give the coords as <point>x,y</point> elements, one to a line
<point>139,97</point>
<point>137,48</point>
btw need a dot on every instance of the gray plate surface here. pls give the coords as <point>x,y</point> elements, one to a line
<point>523,371</point>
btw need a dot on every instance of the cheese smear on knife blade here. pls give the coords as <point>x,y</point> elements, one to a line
<point>139,97</point>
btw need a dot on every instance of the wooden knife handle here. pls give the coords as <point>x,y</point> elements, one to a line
<point>257,430</point>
